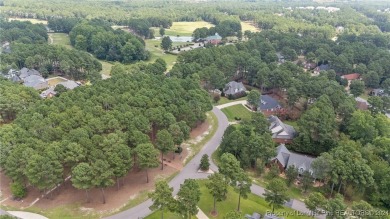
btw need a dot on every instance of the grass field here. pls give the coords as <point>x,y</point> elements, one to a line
<point>167,214</point>
<point>237,111</point>
<point>292,123</point>
<point>248,26</point>
<point>184,28</point>
<point>32,20</point>
<point>157,52</point>
<point>59,39</point>
<point>248,206</point>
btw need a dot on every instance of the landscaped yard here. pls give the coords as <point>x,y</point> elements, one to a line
<point>248,206</point>
<point>167,214</point>
<point>59,39</point>
<point>237,111</point>
<point>106,68</point>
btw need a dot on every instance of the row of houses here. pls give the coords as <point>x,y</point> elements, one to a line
<point>33,78</point>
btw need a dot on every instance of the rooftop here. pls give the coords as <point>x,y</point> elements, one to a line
<point>352,76</point>
<point>267,102</point>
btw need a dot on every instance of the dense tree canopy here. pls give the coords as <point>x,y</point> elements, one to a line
<point>99,125</point>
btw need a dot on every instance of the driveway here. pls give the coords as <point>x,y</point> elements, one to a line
<point>191,171</point>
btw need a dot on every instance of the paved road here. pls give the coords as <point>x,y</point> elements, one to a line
<point>26,215</point>
<point>191,171</point>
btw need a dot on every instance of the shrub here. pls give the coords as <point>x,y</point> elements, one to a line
<point>179,150</point>
<point>216,98</point>
<point>204,162</point>
<point>237,118</point>
<point>18,190</point>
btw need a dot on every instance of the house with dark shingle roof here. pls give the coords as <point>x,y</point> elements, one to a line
<point>269,105</point>
<point>234,90</point>
<point>281,132</point>
<point>285,158</point>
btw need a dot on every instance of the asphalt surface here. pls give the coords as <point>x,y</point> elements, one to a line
<point>191,171</point>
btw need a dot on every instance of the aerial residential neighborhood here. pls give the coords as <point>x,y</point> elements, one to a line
<point>225,109</point>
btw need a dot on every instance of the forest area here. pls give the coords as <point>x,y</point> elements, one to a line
<point>153,98</point>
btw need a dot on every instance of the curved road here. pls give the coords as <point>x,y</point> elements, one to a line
<point>191,171</point>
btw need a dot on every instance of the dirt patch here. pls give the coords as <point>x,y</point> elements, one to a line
<point>199,130</point>
<point>130,187</point>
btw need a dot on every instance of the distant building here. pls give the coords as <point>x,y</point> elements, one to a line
<point>281,132</point>
<point>281,58</point>
<point>285,158</point>
<point>350,78</point>
<point>69,84</point>
<point>322,67</point>
<point>215,39</point>
<point>49,93</point>
<point>234,90</point>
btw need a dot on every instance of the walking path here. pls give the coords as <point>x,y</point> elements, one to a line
<point>191,171</point>
<point>201,214</point>
<point>26,215</point>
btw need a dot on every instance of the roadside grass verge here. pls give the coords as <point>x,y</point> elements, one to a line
<point>195,148</point>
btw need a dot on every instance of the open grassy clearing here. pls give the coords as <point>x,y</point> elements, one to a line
<point>184,28</point>
<point>292,123</point>
<point>59,39</point>
<point>106,68</point>
<point>157,52</point>
<point>237,111</point>
<point>246,25</point>
<point>248,206</point>
<point>32,20</point>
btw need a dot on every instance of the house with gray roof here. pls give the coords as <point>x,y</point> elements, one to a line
<point>35,81</point>
<point>25,72</point>
<point>215,39</point>
<point>234,90</point>
<point>281,132</point>
<point>268,105</point>
<point>69,84</point>
<point>285,158</point>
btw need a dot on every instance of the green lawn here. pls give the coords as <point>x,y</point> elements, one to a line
<point>237,111</point>
<point>184,28</point>
<point>248,206</point>
<point>59,39</point>
<point>224,100</point>
<point>54,81</point>
<point>157,52</point>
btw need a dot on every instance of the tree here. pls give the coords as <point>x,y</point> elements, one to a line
<point>59,89</point>
<point>254,99</point>
<point>18,190</point>
<point>82,177</point>
<point>314,202</point>
<point>162,197</point>
<point>233,215</point>
<point>275,193</point>
<point>230,167</point>
<point>166,43</point>
<point>217,184</point>
<point>361,126</point>
<point>362,209</point>
<point>164,143</point>
<point>334,207</point>
<point>162,31</point>
<point>102,176</point>
<point>242,186</point>
<point>357,87</point>
<point>81,43</point>
<point>291,174</point>
<point>188,198</point>
<point>376,104</point>
<point>307,180</point>
<point>273,171</point>
<point>204,162</point>
<point>147,157</point>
